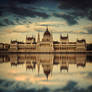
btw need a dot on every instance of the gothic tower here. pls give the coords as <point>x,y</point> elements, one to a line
<point>38,40</point>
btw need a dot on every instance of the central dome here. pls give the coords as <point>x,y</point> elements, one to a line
<point>47,33</point>
<point>47,36</point>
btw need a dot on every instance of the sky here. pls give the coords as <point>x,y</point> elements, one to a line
<point>21,18</point>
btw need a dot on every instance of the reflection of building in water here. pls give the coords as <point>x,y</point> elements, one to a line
<point>16,59</point>
<point>46,61</point>
<point>47,68</point>
<point>30,61</point>
<point>81,60</point>
<point>4,58</point>
<point>47,44</point>
<point>65,59</point>
<point>30,65</point>
<point>64,63</point>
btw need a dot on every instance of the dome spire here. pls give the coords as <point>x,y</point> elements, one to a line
<point>47,28</point>
<point>47,33</point>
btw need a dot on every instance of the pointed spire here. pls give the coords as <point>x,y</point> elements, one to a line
<point>47,28</point>
<point>60,36</point>
<point>26,36</point>
<point>38,40</point>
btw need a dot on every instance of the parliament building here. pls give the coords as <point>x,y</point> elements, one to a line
<point>46,44</point>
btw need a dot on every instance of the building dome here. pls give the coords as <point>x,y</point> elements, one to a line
<point>47,36</point>
<point>47,33</point>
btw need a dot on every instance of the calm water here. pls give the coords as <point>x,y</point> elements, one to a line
<point>46,73</point>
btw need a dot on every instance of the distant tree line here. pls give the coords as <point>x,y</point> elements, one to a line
<point>89,46</point>
<point>89,58</point>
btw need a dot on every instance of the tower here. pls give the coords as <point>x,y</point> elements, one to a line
<point>64,39</point>
<point>38,40</point>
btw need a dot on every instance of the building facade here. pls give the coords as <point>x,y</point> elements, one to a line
<point>48,45</point>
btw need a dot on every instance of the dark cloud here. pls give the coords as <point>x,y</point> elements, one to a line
<point>24,1</point>
<point>80,8</point>
<point>0,13</point>
<point>1,24</point>
<point>17,20</point>
<point>15,86</point>
<point>31,1</point>
<point>69,87</point>
<point>71,20</point>
<point>76,4</point>
<point>19,14</point>
<point>72,87</point>
<point>18,1</point>
<point>20,10</point>
<point>27,12</point>
<point>8,22</point>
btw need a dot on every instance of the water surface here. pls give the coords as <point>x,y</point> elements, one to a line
<point>46,73</point>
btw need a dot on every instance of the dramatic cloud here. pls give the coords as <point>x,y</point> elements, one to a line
<point>15,86</point>
<point>69,18</point>
<point>88,28</point>
<point>72,86</point>
<point>79,8</point>
<point>25,12</point>
<point>71,13</point>
<point>15,21</point>
<point>51,23</point>
<point>17,12</point>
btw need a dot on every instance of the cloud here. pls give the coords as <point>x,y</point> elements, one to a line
<point>51,23</point>
<point>77,8</point>
<point>71,20</point>
<point>72,87</point>
<point>69,87</point>
<point>17,14</point>
<point>15,86</point>
<point>31,13</point>
<point>88,28</point>
<point>89,75</point>
<point>22,10</point>
<point>14,20</point>
<point>24,1</point>
<point>77,4</point>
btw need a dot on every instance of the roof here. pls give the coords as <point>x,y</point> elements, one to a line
<point>34,42</point>
<point>63,37</point>
<point>20,42</point>
<point>30,38</point>
<point>72,42</point>
<point>13,41</point>
<point>83,40</point>
<point>47,33</point>
<point>56,42</point>
<point>1,43</point>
